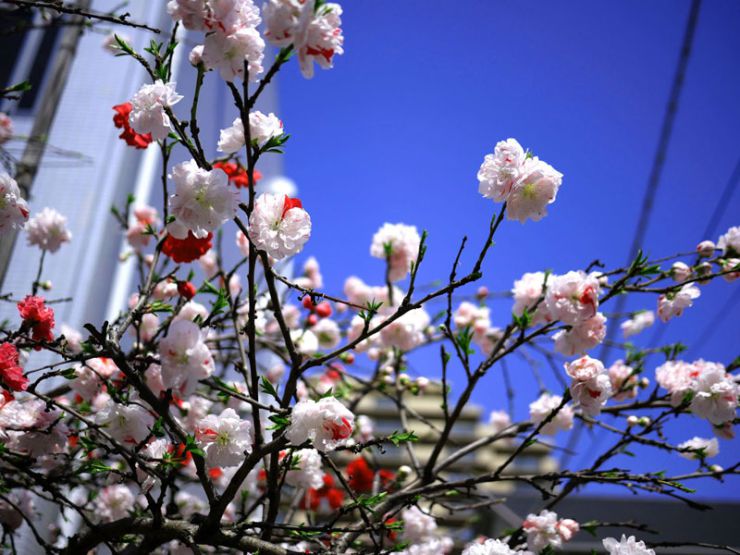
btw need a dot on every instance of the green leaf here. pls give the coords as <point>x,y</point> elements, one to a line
<point>397,438</point>
<point>279,422</point>
<point>268,388</point>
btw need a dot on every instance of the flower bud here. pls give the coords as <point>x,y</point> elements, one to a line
<point>730,264</point>
<point>645,421</point>
<point>403,472</point>
<point>196,55</point>
<point>644,383</point>
<point>482,293</point>
<point>704,269</point>
<point>323,309</point>
<point>46,285</point>
<point>186,289</point>
<point>312,320</point>
<point>403,378</point>
<point>422,383</point>
<point>705,249</point>
<point>680,271</point>
<point>308,303</point>
<point>632,420</point>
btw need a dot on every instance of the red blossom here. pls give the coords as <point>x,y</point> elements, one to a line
<point>188,249</point>
<point>11,373</point>
<point>39,317</point>
<point>360,475</point>
<point>291,203</point>
<point>237,173</point>
<point>121,121</point>
<point>186,289</point>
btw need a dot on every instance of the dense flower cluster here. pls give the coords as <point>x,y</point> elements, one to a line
<point>38,317</point>
<point>48,230</point>
<point>11,374</point>
<point>547,530</point>
<point>326,423</point>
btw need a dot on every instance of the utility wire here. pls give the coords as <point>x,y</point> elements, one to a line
<point>651,189</point>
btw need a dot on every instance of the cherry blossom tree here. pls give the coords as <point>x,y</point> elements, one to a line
<point>168,430</point>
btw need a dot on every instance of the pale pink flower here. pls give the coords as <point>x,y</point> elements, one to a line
<point>673,304</point>
<point>541,409</point>
<point>196,55</point>
<point>730,242</point>
<point>406,332</point>
<point>582,337</point>
<point>359,293</point>
<point>305,341</point>
<point>190,311</point>
<point>110,44</point>
<point>228,52</point>
<point>546,530</point>
<point>573,297</point>
<point>327,332</point>
<point>307,473</point>
<point>90,377</point>
<point>728,264</point>
<point>472,316</point>
<point>677,377</point>
<point>499,421</point>
<point>365,428</point>
<point>224,438</point>
<point>279,225</point>
<point>29,427</point>
<point>500,170</point>
<point>327,423</point>
<point>6,128</point>
<point>48,230</point>
<point>638,323</point>
<point>527,291</point>
<point>13,209</point>
<point>627,546</point>
<point>311,278</point>
<point>185,358</point>
<point>145,219</point>
<point>73,337</point>
<point>262,128</point>
<point>699,448</point>
<point>114,503</point>
<point>125,423</point>
<point>193,14</point>
<point>705,249</point>
<point>315,33</point>
<point>399,245</point>
<point>624,381</point>
<point>536,187</point>
<point>680,271</point>
<point>242,243</point>
<point>148,113</point>
<point>591,386</point>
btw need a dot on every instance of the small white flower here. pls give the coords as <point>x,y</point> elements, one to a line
<point>279,225</point>
<point>185,358</point>
<point>627,546</point>
<point>699,448</point>
<point>327,423</point>
<point>399,245</point>
<point>225,438</point>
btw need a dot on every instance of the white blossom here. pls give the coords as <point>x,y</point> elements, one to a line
<point>730,242</point>
<point>582,337</point>
<point>526,292</point>
<point>626,546</point>
<point>202,201</point>
<point>489,547</point>
<point>148,113</point>
<point>262,128</point>
<point>327,423</point>
<point>545,529</point>
<point>406,332</point>
<point>185,358</point>
<point>307,473</point>
<point>638,323</point>
<point>228,52</point>
<point>279,225</point>
<point>699,448</point>
<point>500,170</point>
<point>13,209</point>
<point>399,245</point>
<point>715,394</point>
<point>114,503</point>
<point>591,386</point>
<point>418,527</point>
<point>125,423</point>
<point>225,438</point>
<point>48,230</point>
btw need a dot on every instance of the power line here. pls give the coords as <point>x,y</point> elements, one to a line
<point>664,140</point>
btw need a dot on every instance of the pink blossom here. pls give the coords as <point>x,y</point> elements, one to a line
<point>406,332</point>
<point>715,394</point>
<point>418,527</point>
<point>500,170</point>
<point>48,230</point>
<point>489,547</point>
<point>582,337</point>
<point>705,249</point>
<point>90,377</point>
<point>624,381</point>
<point>114,503</point>
<point>673,304</point>
<point>546,529</point>
<point>730,242</point>
<point>573,297</point>
<point>527,291</point>
<point>399,245</point>
<point>125,423</point>
<point>308,472</point>
<point>541,409</point>
<point>591,386</point>
<point>638,323</point>
<point>536,187</point>
<point>262,128</point>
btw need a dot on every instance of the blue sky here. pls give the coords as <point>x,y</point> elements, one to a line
<point>397,130</point>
